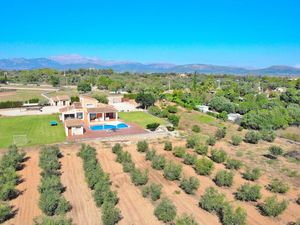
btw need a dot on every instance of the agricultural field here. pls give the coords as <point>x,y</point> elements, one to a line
<point>20,95</point>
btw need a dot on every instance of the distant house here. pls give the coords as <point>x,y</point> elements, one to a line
<point>235,117</point>
<point>115,99</point>
<point>61,100</point>
<point>203,108</point>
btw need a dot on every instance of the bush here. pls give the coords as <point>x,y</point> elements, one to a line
<point>154,110</point>
<point>172,171</point>
<point>275,150</point>
<point>168,146</point>
<point>179,152</point>
<point>196,129</point>
<point>236,140</point>
<point>231,217</point>
<point>172,109</point>
<point>152,126</point>
<point>211,141</point>
<point>51,182</point>
<point>218,156</point>
<point>170,128</point>
<point>110,214</point>
<point>189,185</point>
<point>273,207</point>
<point>278,186</point>
<point>142,146</point>
<point>252,137</point>
<point>117,148</point>
<point>158,162</point>
<point>186,220</point>
<point>221,133</point>
<point>145,191</point>
<point>138,177</point>
<point>212,200</point>
<point>165,211</point>
<point>233,164</point>
<point>201,149</point>
<point>192,142</point>
<point>5,212</point>
<point>189,159</point>
<point>224,178</point>
<point>204,166</point>
<point>173,119</point>
<point>155,191</point>
<point>252,175</point>
<point>248,192</point>
<point>12,158</point>
<point>150,154</point>
<point>268,135</point>
<point>58,220</point>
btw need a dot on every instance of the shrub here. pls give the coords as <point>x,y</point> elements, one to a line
<point>233,217</point>
<point>278,186</point>
<point>179,152</point>
<point>173,119</point>
<point>252,137</point>
<point>51,182</point>
<point>150,154</point>
<point>201,149</point>
<point>275,150</point>
<point>154,110</point>
<point>168,146</point>
<point>298,200</point>
<point>224,178</point>
<point>58,220</point>
<point>102,192</point>
<point>196,129</point>
<point>204,166</point>
<point>155,191</point>
<point>189,159</point>
<point>189,185</point>
<point>268,135</point>
<point>221,133</point>
<point>5,212</point>
<point>172,109</point>
<point>248,192</point>
<point>252,175</point>
<point>138,177</point>
<point>172,171</point>
<point>152,126</point>
<point>158,162</point>
<point>212,200</point>
<point>170,128</point>
<point>236,140</point>
<point>272,207</point>
<point>192,142</point>
<point>165,211</point>
<point>117,148</point>
<point>211,141</point>
<point>186,220</point>
<point>240,128</point>
<point>142,146</point>
<point>218,156</point>
<point>12,158</point>
<point>145,191</point>
<point>233,164</point>
<point>110,214</point>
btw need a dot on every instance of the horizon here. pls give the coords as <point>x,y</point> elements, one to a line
<point>242,34</point>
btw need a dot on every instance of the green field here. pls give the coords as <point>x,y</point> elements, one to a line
<point>37,129</point>
<point>140,118</point>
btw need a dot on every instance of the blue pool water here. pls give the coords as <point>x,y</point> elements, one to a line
<point>108,126</point>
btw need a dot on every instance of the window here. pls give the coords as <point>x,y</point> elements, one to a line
<point>79,115</point>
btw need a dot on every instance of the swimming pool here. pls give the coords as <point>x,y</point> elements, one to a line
<point>108,126</point>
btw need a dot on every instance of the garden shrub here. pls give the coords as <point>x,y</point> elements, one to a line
<point>278,186</point>
<point>179,152</point>
<point>204,166</point>
<point>275,150</point>
<point>268,135</point>
<point>165,211</point>
<point>154,110</point>
<point>196,129</point>
<point>173,119</point>
<point>139,177</point>
<point>152,126</point>
<point>189,185</point>
<point>150,154</point>
<point>236,140</point>
<point>192,142</point>
<point>211,141</point>
<point>224,178</point>
<point>218,156</point>
<point>252,137</point>
<point>234,164</point>
<point>172,171</point>
<point>186,219</point>
<point>168,146</point>
<point>221,133</point>
<point>189,159</point>
<point>252,174</point>
<point>272,207</point>
<point>248,192</point>
<point>212,200</point>
<point>5,212</point>
<point>110,214</point>
<point>142,146</point>
<point>201,149</point>
<point>158,162</point>
<point>233,217</point>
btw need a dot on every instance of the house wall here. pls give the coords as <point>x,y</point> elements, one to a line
<point>60,103</point>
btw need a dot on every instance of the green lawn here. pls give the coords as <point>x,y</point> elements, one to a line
<point>140,118</point>
<point>37,129</point>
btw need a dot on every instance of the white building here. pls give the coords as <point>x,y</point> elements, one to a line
<point>61,100</point>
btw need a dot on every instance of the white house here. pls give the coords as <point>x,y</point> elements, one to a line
<point>61,100</point>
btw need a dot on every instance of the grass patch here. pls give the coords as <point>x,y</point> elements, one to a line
<point>37,129</point>
<point>22,95</point>
<point>140,118</point>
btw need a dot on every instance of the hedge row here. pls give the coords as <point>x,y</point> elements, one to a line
<point>99,181</point>
<point>51,200</point>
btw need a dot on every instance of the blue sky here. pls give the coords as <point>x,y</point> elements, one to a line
<point>251,33</point>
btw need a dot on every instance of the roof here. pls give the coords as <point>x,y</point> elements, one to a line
<point>102,108</point>
<point>74,123</point>
<point>75,105</point>
<point>88,97</point>
<point>60,98</point>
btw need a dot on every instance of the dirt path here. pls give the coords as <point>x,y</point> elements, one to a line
<point>84,210</point>
<point>135,209</point>
<point>26,204</point>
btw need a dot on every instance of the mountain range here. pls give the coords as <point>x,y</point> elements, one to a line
<point>76,61</point>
